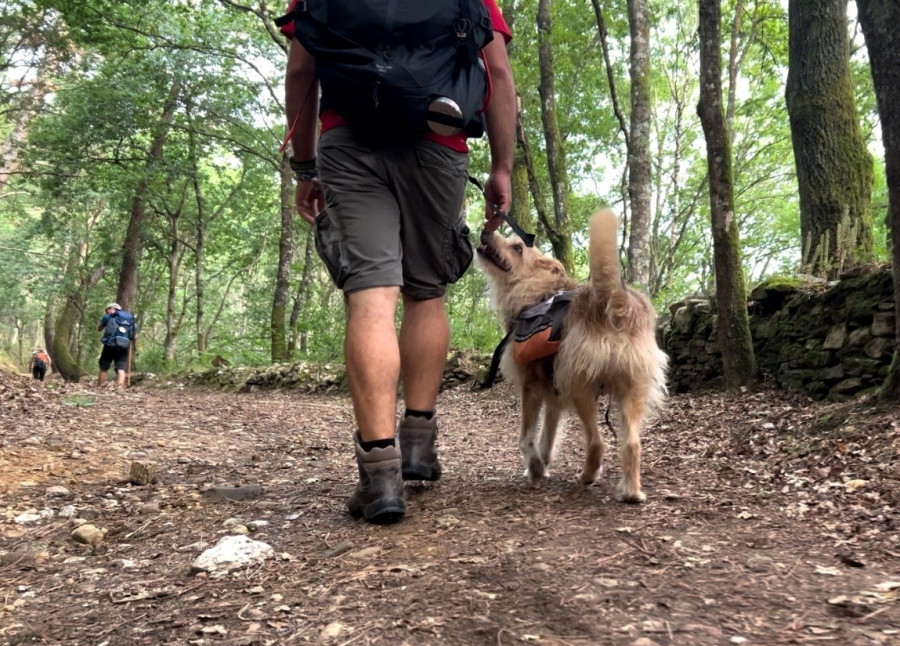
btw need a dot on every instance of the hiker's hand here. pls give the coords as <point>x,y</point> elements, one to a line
<point>309,200</point>
<point>497,189</point>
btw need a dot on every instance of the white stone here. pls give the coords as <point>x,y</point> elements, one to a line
<point>233,552</point>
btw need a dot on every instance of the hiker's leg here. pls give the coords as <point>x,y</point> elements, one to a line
<point>105,362</point>
<point>372,357</point>
<point>436,251</point>
<point>121,363</point>
<point>424,342</point>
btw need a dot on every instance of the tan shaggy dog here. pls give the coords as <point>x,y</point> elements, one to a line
<point>608,346</point>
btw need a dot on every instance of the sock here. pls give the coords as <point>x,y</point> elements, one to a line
<point>427,414</point>
<point>377,444</point>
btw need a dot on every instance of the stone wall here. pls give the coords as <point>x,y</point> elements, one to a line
<point>827,340</point>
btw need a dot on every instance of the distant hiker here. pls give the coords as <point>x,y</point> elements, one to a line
<point>40,364</point>
<point>119,333</point>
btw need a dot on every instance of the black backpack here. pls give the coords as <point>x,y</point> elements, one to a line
<point>394,68</point>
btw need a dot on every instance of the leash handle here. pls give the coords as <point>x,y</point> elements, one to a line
<point>527,238</point>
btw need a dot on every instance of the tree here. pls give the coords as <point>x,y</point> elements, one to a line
<point>879,19</point>
<point>557,230</point>
<point>640,187</point>
<point>734,339</point>
<point>834,169</point>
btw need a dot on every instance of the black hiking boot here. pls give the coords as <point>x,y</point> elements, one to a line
<point>379,495</point>
<point>417,437</point>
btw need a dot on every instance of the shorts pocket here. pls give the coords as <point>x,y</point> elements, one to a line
<point>435,156</point>
<point>330,248</point>
<point>457,252</point>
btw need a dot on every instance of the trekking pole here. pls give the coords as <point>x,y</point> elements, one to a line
<point>130,359</point>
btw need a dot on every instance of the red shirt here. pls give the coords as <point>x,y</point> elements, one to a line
<point>457,142</point>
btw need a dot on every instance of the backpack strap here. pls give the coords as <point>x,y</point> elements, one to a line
<point>465,28</point>
<point>300,7</point>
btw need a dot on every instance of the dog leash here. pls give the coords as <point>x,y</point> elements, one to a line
<point>527,238</point>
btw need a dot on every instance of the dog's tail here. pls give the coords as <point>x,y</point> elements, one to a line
<point>606,272</point>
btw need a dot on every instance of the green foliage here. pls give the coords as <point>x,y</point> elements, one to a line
<point>87,87</point>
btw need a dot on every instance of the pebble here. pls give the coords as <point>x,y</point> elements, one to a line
<point>88,534</point>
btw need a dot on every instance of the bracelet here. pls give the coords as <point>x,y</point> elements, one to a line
<point>298,166</point>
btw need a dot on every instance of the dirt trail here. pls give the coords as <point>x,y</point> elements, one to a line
<point>769,520</point>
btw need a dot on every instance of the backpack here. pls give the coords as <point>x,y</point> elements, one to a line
<point>40,360</point>
<point>395,68</point>
<point>119,330</point>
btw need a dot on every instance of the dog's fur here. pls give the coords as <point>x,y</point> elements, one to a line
<point>608,346</point>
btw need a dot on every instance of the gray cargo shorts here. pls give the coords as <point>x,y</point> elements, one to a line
<point>393,214</point>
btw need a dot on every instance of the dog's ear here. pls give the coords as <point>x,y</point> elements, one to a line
<point>549,265</point>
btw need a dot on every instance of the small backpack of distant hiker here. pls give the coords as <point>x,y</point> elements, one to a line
<point>119,330</point>
<point>394,68</point>
<point>40,360</point>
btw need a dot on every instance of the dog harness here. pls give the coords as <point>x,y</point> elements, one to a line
<point>537,330</point>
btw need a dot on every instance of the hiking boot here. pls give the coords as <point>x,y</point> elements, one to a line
<point>417,437</point>
<point>379,496</point>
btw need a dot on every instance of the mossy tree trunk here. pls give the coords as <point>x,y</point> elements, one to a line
<point>834,169</point>
<point>738,359</point>
<point>64,350</point>
<point>285,256</point>
<point>639,171</point>
<point>879,20</point>
<point>300,335</point>
<point>523,164</point>
<point>558,230</point>
<point>532,186</point>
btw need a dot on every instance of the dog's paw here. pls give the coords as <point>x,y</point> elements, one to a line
<point>587,479</point>
<point>535,471</point>
<point>628,494</point>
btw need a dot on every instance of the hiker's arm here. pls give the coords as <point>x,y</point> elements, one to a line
<point>500,122</point>
<point>103,322</point>
<point>301,92</point>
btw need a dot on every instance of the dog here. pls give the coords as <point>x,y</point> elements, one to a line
<point>608,345</point>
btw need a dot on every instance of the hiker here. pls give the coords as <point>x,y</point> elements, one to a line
<point>119,335</point>
<point>40,364</point>
<point>386,198</point>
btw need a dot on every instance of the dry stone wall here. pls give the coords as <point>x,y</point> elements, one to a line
<point>827,340</point>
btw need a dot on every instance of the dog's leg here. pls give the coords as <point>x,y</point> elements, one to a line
<point>531,408</point>
<point>586,407</point>
<point>633,408</point>
<point>552,414</point>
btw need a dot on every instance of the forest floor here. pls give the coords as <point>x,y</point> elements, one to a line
<point>770,519</point>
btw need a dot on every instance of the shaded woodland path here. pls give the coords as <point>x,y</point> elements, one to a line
<point>769,520</point>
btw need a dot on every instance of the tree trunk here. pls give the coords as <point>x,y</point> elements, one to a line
<point>834,169</point>
<point>301,298</point>
<point>734,339</point>
<point>558,233</point>
<point>285,256</point>
<point>133,245</point>
<point>71,316</point>
<point>639,172</point>
<point>879,20</point>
